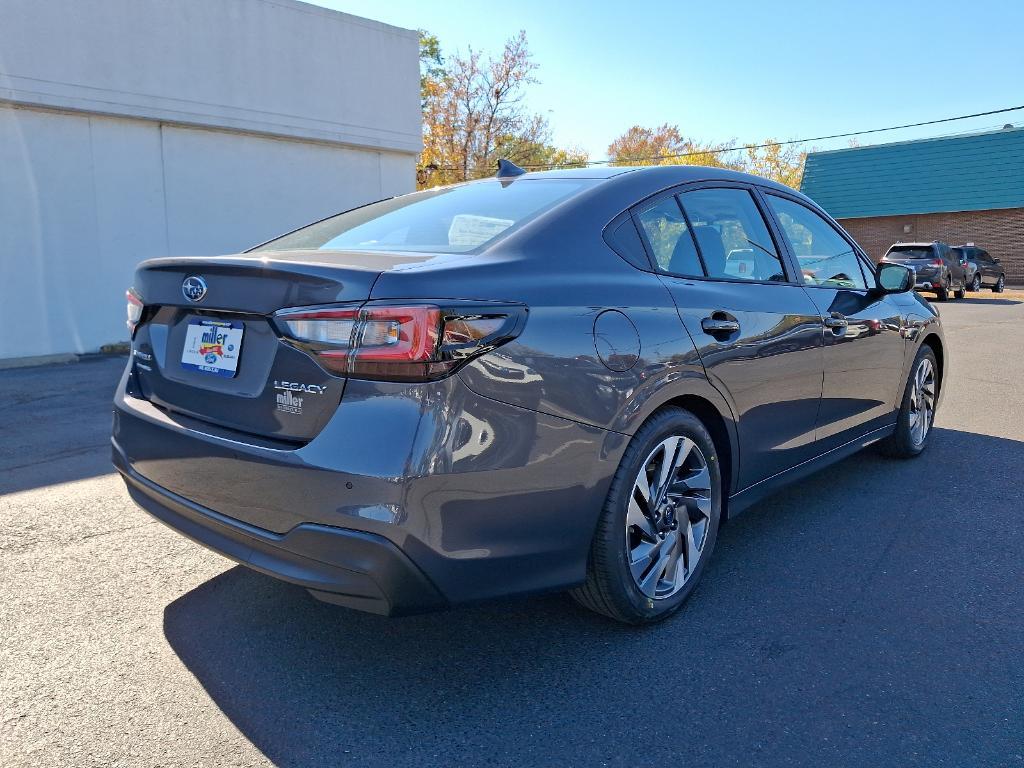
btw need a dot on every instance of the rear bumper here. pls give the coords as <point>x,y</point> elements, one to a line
<point>355,569</point>
<point>412,496</point>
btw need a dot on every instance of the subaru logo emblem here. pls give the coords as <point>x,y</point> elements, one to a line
<point>193,288</point>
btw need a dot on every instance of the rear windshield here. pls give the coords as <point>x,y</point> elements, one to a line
<point>447,220</point>
<point>912,253</point>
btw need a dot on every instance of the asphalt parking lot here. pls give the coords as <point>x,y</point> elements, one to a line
<point>869,616</point>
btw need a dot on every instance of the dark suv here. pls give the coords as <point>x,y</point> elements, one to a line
<point>983,270</point>
<point>938,268</point>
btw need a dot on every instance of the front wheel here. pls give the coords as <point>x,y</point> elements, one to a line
<point>917,410</point>
<point>659,523</point>
<point>1000,284</point>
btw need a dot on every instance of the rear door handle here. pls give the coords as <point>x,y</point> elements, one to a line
<point>835,321</point>
<point>719,324</point>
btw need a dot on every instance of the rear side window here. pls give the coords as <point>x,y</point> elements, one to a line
<point>447,220</point>
<point>669,236</point>
<point>824,256</point>
<point>732,237</point>
<point>626,242</point>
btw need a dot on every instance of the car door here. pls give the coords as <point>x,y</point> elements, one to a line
<point>864,346</point>
<point>989,274</point>
<point>757,332</point>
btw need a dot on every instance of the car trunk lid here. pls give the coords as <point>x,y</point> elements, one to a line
<point>206,347</point>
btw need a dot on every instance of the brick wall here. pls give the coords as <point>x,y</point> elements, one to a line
<point>1000,232</point>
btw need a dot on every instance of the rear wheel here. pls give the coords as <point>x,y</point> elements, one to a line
<point>961,291</point>
<point>917,410</point>
<point>942,293</point>
<point>1000,284</point>
<point>659,523</point>
<point>976,282</point>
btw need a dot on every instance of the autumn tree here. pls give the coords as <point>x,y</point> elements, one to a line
<point>783,163</point>
<point>474,112</point>
<point>666,145</point>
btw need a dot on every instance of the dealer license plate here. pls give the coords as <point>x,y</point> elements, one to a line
<point>213,346</point>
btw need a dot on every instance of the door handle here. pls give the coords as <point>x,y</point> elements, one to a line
<point>719,324</point>
<point>836,322</point>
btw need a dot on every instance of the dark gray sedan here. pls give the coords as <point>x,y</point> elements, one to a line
<point>560,380</point>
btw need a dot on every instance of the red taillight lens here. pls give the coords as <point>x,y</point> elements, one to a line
<point>135,307</point>
<point>936,262</point>
<point>416,342</point>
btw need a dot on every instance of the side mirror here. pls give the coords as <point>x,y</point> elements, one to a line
<point>896,278</point>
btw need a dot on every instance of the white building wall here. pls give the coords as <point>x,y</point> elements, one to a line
<point>139,128</point>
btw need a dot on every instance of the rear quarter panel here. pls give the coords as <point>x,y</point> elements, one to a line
<point>563,270</point>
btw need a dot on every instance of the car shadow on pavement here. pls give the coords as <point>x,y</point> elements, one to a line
<point>979,300</point>
<point>828,629</point>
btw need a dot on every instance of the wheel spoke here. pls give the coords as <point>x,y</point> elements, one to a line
<point>649,583</point>
<point>636,517</point>
<point>702,504</point>
<point>670,450</point>
<point>643,487</point>
<point>700,480</point>
<point>640,558</point>
<point>674,558</point>
<point>692,552</point>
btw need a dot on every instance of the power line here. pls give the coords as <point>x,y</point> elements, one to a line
<point>720,150</point>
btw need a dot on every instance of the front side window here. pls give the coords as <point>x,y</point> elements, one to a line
<point>731,235</point>
<point>446,220</point>
<point>824,256</point>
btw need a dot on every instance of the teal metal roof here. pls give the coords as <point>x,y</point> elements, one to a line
<point>974,172</point>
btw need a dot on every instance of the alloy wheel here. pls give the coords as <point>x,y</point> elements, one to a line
<point>976,282</point>
<point>922,401</point>
<point>668,517</point>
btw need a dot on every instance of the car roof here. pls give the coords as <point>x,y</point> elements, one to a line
<point>663,174</point>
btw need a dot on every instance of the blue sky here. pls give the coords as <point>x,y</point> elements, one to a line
<point>745,70</point>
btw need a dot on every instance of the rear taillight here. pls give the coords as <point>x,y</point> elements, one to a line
<point>135,307</point>
<point>409,342</point>
<point>936,262</point>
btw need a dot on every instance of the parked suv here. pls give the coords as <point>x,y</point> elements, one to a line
<point>555,380</point>
<point>938,268</point>
<point>983,270</point>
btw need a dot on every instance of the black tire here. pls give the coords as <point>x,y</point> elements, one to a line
<point>610,589</point>
<point>961,293</point>
<point>1000,284</point>
<point>942,293</point>
<point>976,282</point>
<point>902,444</point>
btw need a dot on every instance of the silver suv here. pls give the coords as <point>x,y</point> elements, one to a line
<point>938,268</point>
